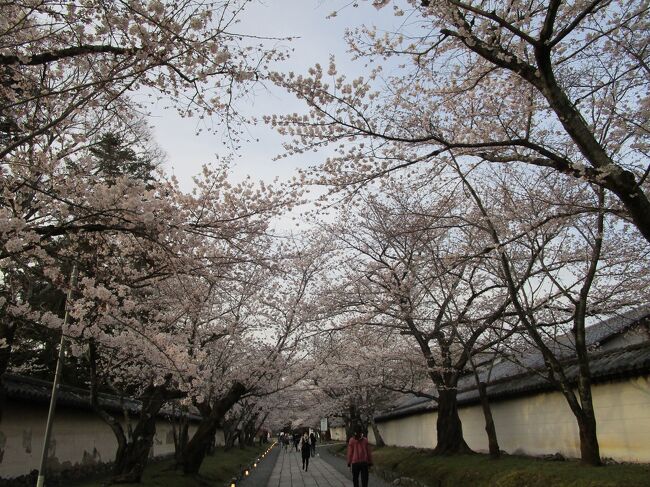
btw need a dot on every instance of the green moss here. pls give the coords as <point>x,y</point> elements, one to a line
<point>510,471</point>
<point>215,471</point>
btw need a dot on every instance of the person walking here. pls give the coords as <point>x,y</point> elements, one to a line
<point>285,441</point>
<point>305,449</point>
<point>359,458</point>
<point>296,441</point>
<point>312,442</point>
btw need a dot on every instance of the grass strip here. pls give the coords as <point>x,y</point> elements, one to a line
<point>510,471</point>
<point>216,470</point>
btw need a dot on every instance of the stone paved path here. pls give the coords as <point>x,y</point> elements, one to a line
<point>288,472</point>
<point>325,470</point>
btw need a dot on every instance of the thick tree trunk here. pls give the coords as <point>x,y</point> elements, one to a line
<point>379,441</point>
<point>132,453</point>
<point>449,426</point>
<point>130,461</point>
<point>241,438</point>
<point>212,449</point>
<point>111,421</point>
<point>181,437</point>
<point>491,431</point>
<point>230,442</point>
<point>250,438</point>
<point>352,421</point>
<point>348,427</point>
<point>251,429</point>
<point>583,409</point>
<point>199,445</point>
<point>229,434</point>
<point>197,448</point>
<point>589,448</point>
<point>7,334</point>
<point>258,427</point>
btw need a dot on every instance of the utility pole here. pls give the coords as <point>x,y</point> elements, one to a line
<point>55,385</point>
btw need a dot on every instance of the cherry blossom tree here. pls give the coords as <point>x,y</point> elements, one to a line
<point>355,366</point>
<point>244,422</point>
<point>67,76</point>
<point>35,248</point>
<point>270,307</point>
<point>414,269</point>
<point>145,277</point>
<point>585,266</point>
<point>179,307</point>
<point>220,347</point>
<point>164,275</point>
<point>561,85</point>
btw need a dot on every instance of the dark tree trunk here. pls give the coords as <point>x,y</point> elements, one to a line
<point>232,437</point>
<point>199,445</point>
<point>212,449</point>
<point>250,438</point>
<point>589,448</point>
<point>348,427</point>
<point>228,434</point>
<point>449,426</point>
<point>583,409</point>
<point>493,443</point>
<point>132,453</point>
<point>197,448</point>
<point>258,427</point>
<point>181,437</point>
<point>109,419</point>
<point>130,461</point>
<point>379,441</point>
<point>251,429</point>
<point>8,333</point>
<point>352,421</point>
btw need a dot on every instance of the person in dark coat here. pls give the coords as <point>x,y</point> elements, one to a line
<point>296,441</point>
<point>305,449</point>
<point>312,442</point>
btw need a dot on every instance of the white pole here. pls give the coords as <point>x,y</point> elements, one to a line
<point>55,385</point>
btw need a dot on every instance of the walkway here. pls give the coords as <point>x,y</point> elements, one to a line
<point>325,470</point>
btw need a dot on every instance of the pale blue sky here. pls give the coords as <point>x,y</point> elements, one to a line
<point>316,38</point>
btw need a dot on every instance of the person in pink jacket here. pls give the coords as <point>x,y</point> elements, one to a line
<point>359,458</point>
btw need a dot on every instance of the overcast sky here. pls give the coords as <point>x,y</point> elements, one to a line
<point>316,37</point>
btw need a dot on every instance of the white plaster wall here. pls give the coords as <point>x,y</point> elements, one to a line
<point>338,434</point>
<point>418,431</point>
<point>623,415</point>
<point>78,438</point>
<point>533,425</point>
<point>544,424</point>
<point>220,438</point>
